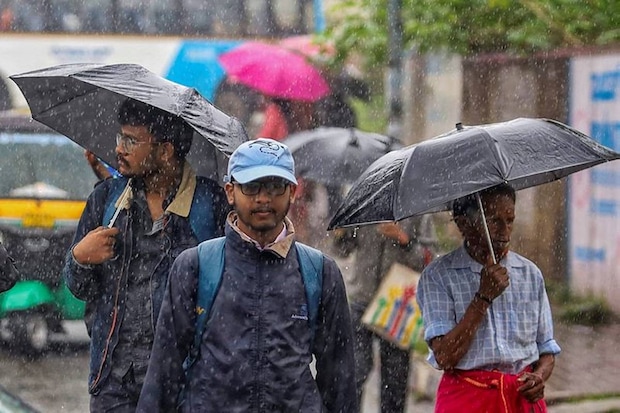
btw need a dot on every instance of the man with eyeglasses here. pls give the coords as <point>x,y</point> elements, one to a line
<point>254,352</point>
<point>131,230</point>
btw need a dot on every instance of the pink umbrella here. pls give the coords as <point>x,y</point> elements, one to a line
<point>274,71</point>
<point>306,45</point>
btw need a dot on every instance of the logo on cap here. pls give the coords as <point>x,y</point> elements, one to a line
<point>261,158</point>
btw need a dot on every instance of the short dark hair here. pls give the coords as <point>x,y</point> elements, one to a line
<point>164,126</point>
<point>466,205</point>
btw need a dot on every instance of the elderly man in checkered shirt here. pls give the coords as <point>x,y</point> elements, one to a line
<point>488,324</point>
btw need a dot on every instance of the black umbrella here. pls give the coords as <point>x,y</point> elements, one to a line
<point>336,155</point>
<point>429,176</point>
<point>81,101</point>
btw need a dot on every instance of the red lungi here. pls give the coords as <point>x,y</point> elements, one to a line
<point>480,391</point>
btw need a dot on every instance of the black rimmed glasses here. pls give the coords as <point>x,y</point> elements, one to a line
<point>129,143</point>
<point>274,187</point>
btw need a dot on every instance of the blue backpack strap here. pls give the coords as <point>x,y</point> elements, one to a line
<point>210,269</point>
<point>311,268</point>
<point>202,214</point>
<point>117,186</point>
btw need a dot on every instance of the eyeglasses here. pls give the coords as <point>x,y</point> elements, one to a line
<point>274,187</point>
<point>129,143</point>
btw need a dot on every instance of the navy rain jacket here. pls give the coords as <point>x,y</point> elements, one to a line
<point>101,286</point>
<point>256,350</point>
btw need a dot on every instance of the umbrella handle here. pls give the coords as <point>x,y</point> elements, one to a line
<point>121,203</point>
<point>486,228</point>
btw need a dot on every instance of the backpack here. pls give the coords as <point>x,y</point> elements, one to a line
<point>211,268</point>
<point>201,218</point>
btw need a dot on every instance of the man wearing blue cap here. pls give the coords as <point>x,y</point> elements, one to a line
<point>272,305</point>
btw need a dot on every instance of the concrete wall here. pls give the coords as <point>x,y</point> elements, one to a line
<point>497,88</point>
<point>443,90</point>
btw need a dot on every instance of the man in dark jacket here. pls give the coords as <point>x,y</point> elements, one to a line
<point>258,343</point>
<point>8,272</point>
<point>119,262</point>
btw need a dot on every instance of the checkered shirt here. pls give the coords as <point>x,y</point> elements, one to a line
<point>517,327</point>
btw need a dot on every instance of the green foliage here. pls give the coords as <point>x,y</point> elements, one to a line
<point>371,115</point>
<point>589,312</point>
<point>575,309</point>
<point>473,26</point>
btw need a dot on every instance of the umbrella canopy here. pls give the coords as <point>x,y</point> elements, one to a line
<point>429,176</point>
<point>336,155</point>
<point>81,101</point>
<point>274,71</point>
<point>307,45</point>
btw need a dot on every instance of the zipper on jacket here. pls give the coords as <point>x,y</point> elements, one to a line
<point>259,329</point>
<point>115,314</point>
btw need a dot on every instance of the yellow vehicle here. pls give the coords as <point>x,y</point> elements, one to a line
<point>44,182</point>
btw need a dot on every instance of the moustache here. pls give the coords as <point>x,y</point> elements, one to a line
<point>120,160</point>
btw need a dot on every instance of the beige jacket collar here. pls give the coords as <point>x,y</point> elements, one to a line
<point>182,202</point>
<point>280,246</point>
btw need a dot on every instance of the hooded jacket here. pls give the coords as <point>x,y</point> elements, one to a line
<point>256,350</point>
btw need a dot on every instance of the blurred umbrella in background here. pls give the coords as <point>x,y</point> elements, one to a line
<point>336,156</point>
<point>308,46</point>
<point>274,71</point>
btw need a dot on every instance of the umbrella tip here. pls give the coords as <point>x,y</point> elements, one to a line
<point>353,139</point>
<point>459,126</point>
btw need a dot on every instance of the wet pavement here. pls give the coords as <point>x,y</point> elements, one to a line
<point>587,368</point>
<point>57,380</point>
<point>589,363</point>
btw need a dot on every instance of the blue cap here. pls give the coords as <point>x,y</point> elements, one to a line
<point>261,158</point>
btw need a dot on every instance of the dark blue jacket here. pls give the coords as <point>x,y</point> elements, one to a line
<point>101,286</point>
<point>256,349</point>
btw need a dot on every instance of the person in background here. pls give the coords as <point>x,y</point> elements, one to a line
<point>284,117</point>
<point>259,340</point>
<point>488,324</point>
<point>411,242</point>
<point>121,268</point>
<point>99,169</point>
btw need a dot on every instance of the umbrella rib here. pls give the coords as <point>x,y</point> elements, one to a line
<point>494,146</point>
<point>94,89</point>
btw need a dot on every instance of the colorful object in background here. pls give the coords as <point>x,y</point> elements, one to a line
<point>394,313</point>
<point>274,71</point>
<point>307,46</point>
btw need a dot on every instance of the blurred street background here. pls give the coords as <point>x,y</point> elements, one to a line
<point>406,69</point>
<point>585,378</point>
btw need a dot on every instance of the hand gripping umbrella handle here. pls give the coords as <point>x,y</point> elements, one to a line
<point>486,228</point>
